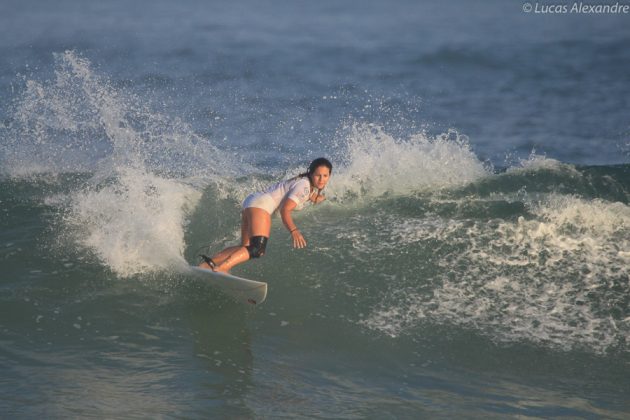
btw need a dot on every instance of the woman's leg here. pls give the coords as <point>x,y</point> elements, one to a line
<point>223,255</point>
<point>255,222</point>
<point>217,259</point>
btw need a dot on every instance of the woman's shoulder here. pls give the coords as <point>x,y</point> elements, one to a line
<point>299,190</point>
<point>301,181</point>
<point>299,184</point>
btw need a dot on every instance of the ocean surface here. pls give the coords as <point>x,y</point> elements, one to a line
<point>472,259</point>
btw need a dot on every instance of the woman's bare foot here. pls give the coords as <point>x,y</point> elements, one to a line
<point>205,266</point>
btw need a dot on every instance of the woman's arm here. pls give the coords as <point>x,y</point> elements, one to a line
<point>285,212</point>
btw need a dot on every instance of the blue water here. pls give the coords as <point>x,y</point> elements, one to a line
<point>471,260</point>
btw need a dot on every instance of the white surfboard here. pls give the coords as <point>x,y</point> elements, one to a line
<point>243,290</point>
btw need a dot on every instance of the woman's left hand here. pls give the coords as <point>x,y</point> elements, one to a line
<point>317,197</point>
<point>298,239</point>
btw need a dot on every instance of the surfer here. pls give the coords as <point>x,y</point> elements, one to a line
<point>285,197</point>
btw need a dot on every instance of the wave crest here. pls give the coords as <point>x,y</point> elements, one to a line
<point>374,163</point>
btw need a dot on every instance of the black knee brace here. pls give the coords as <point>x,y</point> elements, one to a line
<point>256,247</point>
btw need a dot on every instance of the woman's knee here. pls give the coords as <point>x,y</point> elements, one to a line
<point>257,246</point>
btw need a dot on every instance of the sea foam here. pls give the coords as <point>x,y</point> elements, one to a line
<point>557,277</point>
<point>134,224</point>
<point>146,171</point>
<point>374,163</point>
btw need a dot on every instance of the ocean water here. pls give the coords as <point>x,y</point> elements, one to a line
<point>472,259</point>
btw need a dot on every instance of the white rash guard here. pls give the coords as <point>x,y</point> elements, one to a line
<point>298,190</point>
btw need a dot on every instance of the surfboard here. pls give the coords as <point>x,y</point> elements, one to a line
<point>243,290</point>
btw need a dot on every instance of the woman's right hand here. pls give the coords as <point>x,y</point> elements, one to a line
<point>298,239</point>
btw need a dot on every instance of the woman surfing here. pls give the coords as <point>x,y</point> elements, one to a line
<point>285,197</point>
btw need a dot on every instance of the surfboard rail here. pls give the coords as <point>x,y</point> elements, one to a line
<point>241,289</point>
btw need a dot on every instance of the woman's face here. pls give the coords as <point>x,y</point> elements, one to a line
<point>320,177</point>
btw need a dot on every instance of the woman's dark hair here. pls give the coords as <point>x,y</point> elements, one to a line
<point>314,165</point>
<point>317,163</point>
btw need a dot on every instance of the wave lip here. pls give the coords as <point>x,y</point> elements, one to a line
<point>375,163</point>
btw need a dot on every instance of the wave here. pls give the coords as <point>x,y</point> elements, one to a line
<point>374,163</point>
<point>145,169</point>
<point>551,270</point>
<point>421,228</point>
